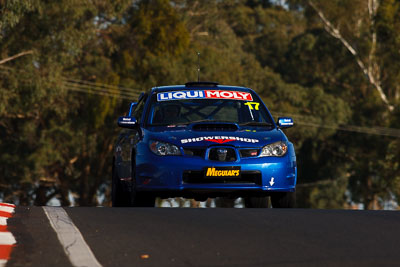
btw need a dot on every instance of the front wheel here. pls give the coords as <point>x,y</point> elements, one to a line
<point>144,200</point>
<point>283,199</point>
<point>119,196</point>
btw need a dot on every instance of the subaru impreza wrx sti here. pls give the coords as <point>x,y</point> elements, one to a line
<point>202,140</point>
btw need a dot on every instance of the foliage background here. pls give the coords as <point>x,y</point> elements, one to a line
<point>85,61</point>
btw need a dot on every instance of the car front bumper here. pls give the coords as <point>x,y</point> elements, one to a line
<point>183,176</point>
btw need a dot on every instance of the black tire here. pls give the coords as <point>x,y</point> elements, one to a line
<point>256,202</point>
<point>144,200</point>
<point>139,199</point>
<point>283,200</point>
<point>119,196</point>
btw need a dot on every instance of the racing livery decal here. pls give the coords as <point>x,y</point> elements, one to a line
<point>219,139</point>
<point>208,94</point>
<point>220,172</point>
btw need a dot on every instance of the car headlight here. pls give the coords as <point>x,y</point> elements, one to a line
<point>164,149</point>
<point>277,149</point>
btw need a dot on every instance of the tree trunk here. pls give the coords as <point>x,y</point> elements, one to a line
<point>370,70</point>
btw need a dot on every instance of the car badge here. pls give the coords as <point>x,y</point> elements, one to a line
<point>221,152</point>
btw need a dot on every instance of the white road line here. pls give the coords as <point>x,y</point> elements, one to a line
<point>70,238</point>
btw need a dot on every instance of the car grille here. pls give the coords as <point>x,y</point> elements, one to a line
<point>197,177</point>
<point>213,155</point>
<point>248,153</point>
<point>216,155</point>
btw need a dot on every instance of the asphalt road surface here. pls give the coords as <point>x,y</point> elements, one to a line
<point>213,237</point>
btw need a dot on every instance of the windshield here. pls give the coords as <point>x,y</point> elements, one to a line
<point>185,107</point>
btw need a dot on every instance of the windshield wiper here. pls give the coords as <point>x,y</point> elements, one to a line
<point>256,123</point>
<point>181,123</point>
<point>206,120</point>
<point>190,122</point>
<point>213,121</point>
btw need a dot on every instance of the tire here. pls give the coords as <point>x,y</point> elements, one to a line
<point>139,199</point>
<point>283,200</point>
<point>119,196</point>
<point>144,200</point>
<point>256,202</point>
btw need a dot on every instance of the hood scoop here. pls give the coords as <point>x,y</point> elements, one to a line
<point>212,127</point>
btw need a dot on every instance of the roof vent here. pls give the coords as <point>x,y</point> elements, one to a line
<point>201,84</point>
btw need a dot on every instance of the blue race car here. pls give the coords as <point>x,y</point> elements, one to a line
<point>202,140</point>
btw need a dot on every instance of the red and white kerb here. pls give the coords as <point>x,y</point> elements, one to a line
<point>7,240</point>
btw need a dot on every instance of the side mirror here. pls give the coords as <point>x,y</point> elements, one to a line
<point>127,122</point>
<point>285,122</point>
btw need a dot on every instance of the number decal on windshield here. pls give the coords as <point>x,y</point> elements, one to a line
<point>250,104</point>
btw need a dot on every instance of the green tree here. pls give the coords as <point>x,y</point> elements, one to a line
<point>39,130</point>
<point>360,75</point>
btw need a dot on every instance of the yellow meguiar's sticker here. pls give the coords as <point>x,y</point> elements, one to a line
<point>250,104</point>
<point>215,172</point>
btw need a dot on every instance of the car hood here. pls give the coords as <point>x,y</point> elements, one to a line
<point>187,137</point>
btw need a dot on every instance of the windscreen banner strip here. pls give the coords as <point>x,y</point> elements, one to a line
<point>204,94</point>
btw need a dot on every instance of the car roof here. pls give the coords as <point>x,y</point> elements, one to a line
<point>199,86</point>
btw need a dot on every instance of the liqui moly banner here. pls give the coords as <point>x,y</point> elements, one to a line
<point>206,94</point>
